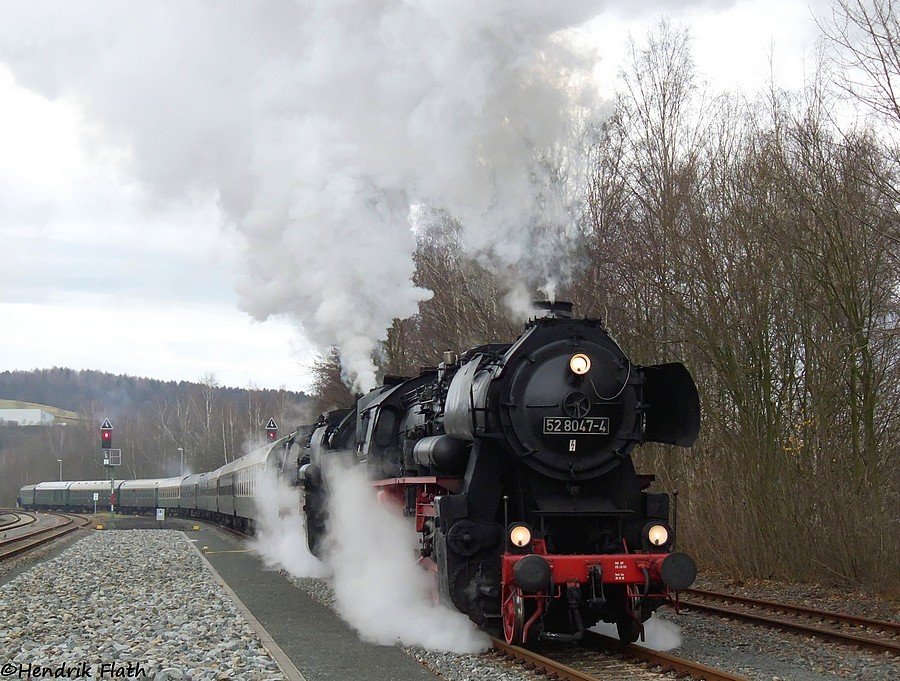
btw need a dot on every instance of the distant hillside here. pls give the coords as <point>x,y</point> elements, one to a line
<point>162,427</point>
<point>72,390</point>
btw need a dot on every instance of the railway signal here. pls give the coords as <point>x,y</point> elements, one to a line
<point>271,430</point>
<point>106,430</point>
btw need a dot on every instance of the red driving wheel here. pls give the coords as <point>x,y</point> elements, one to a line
<point>513,615</point>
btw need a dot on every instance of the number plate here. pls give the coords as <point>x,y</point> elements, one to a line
<point>563,425</point>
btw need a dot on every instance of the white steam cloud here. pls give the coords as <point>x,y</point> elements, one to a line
<point>318,123</point>
<point>379,588</point>
<point>280,534</point>
<point>519,302</point>
<point>659,634</point>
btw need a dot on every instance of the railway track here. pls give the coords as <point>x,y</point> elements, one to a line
<point>860,632</point>
<point>602,658</point>
<point>15,519</point>
<point>38,536</point>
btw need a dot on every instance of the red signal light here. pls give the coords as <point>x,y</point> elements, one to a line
<point>271,430</point>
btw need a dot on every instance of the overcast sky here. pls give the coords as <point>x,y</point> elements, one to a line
<point>102,270</point>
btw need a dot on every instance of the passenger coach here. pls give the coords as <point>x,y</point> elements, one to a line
<point>224,495</point>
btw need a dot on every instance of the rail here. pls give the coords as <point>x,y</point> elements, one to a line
<point>18,519</point>
<point>828,625</point>
<point>642,662</point>
<point>14,546</point>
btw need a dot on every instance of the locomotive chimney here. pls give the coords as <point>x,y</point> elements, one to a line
<point>559,309</point>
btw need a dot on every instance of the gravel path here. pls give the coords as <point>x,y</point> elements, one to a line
<point>142,597</point>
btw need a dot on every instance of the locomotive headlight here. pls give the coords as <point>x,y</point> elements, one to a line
<point>520,536</point>
<point>580,364</point>
<point>658,535</point>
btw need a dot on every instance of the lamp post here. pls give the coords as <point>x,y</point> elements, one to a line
<point>60,469</point>
<point>181,451</point>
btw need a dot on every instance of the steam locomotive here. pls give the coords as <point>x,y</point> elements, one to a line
<point>514,463</point>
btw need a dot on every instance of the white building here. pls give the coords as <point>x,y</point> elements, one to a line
<point>16,413</point>
<point>26,417</point>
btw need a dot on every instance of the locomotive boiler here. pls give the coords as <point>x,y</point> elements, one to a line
<point>514,463</point>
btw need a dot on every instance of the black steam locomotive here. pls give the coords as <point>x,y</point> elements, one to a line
<point>514,463</point>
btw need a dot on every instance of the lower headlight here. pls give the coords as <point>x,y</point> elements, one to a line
<point>658,535</point>
<point>520,536</point>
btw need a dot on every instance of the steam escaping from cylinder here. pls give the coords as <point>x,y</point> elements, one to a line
<point>280,534</point>
<point>316,125</point>
<point>380,590</point>
<point>660,634</point>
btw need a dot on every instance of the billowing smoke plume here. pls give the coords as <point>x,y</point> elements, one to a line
<point>319,123</point>
<point>370,563</point>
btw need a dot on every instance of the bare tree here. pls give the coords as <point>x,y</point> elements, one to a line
<point>865,35</point>
<point>329,388</point>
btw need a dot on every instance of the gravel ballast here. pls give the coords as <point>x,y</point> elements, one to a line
<point>142,597</point>
<point>765,654</point>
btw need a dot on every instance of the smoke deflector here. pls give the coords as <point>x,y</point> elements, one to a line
<point>673,405</point>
